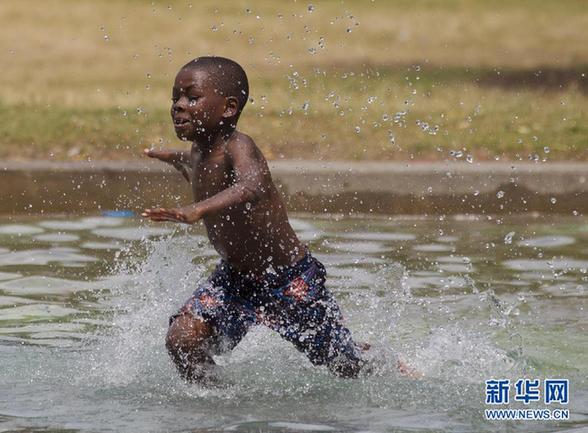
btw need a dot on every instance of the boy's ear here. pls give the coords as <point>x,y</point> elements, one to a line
<point>231,107</point>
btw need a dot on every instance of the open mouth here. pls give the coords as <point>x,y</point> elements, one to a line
<point>181,122</point>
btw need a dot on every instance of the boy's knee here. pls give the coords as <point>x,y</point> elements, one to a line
<point>187,334</point>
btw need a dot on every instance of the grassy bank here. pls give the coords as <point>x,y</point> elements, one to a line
<point>336,80</point>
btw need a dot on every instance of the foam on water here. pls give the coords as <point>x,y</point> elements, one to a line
<point>19,230</point>
<point>144,291</point>
<point>143,294</point>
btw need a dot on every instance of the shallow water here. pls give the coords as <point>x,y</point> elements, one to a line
<point>84,304</point>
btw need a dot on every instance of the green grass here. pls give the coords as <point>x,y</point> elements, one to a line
<point>91,79</point>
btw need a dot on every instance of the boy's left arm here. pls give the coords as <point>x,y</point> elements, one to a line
<point>252,181</point>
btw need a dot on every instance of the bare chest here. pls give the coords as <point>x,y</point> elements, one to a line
<point>210,177</point>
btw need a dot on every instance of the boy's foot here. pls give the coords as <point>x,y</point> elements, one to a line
<point>407,370</point>
<point>211,381</point>
<point>363,346</point>
<point>401,365</point>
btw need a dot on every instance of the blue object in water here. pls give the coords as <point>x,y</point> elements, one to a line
<point>125,213</point>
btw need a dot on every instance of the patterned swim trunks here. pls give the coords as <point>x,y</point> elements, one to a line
<point>293,301</point>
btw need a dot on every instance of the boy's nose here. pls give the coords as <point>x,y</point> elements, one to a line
<point>180,104</point>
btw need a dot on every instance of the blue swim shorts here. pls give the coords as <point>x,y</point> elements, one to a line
<point>292,301</point>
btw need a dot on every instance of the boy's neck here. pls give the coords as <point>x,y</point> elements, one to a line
<point>213,141</point>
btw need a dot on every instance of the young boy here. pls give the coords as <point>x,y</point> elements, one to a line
<point>266,275</point>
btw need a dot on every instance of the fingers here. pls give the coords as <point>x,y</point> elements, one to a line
<point>159,219</point>
<point>149,152</point>
<point>157,214</point>
<point>162,155</point>
<point>161,214</point>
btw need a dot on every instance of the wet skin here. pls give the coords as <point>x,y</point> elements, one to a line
<point>233,191</point>
<point>235,197</point>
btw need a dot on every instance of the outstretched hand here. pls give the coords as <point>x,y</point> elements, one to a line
<point>186,215</point>
<point>171,157</point>
<point>163,155</point>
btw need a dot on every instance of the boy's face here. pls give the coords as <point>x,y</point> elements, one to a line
<point>197,108</point>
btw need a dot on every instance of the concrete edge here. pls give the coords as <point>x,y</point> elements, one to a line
<point>308,186</point>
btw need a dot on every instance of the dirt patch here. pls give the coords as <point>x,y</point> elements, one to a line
<point>547,78</point>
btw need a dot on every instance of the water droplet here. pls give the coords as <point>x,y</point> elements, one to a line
<point>310,8</point>
<point>500,194</point>
<point>508,238</point>
<point>305,106</point>
<point>399,118</point>
<point>312,50</point>
<point>214,28</point>
<point>546,149</point>
<point>553,200</point>
<point>391,137</point>
<point>357,129</point>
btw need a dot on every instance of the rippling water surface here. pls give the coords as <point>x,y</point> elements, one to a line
<point>84,305</point>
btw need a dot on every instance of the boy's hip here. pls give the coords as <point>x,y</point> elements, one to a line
<point>306,273</point>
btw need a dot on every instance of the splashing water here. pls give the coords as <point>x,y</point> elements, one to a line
<point>130,352</point>
<point>143,296</point>
<point>456,334</point>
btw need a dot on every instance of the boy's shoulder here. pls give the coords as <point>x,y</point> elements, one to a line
<point>241,145</point>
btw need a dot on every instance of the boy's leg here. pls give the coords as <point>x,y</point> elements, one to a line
<point>210,322</point>
<point>187,342</point>
<point>305,313</point>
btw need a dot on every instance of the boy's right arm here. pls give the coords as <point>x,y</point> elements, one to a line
<point>180,159</point>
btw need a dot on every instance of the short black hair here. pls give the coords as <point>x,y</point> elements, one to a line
<point>227,76</point>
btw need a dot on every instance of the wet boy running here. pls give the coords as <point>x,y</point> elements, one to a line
<point>266,276</point>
